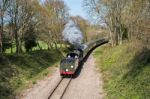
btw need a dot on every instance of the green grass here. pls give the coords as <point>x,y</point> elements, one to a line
<point>42,44</point>
<point>19,71</point>
<point>126,71</point>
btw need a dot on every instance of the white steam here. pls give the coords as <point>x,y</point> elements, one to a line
<point>72,34</point>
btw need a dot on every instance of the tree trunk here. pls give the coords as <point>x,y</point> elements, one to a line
<point>48,47</point>
<point>39,46</point>
<point>17,45</point>
<point>16,41</point>
<point>111,38</point>
<point>121,34</point>
<point>1,44</point>
<point>20,46</point>
<point>1,34</point>
<point>61,45</point>
<point>56,47</point>
<point>11,44</point>
<point>110,33</point>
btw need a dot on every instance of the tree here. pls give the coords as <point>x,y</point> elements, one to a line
<point>119,16</point>
<point>30,39</point>
<point>3,8</point>
<point>53,16</point>
<point>22,15</point>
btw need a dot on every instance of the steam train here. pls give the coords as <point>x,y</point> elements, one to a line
<point>69,65</point>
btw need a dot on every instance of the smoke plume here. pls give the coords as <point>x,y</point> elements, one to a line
<point>72,34</point>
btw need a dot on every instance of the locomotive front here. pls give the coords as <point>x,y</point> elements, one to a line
<point>69,65</point>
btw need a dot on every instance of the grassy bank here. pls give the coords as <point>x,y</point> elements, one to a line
<point>18,71</point>
<point>126,71</point>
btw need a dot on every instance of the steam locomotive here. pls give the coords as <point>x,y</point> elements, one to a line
<point>69,65</point>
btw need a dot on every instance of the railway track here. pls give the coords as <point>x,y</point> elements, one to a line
<point>60,89</point>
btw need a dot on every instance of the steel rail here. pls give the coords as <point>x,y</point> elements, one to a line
<point>57,87</point>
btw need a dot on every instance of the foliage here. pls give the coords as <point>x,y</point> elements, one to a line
<point>122,18</point>
<point>44,21</point>
<point>30,40</point>
<point>29,44</point>
<point>6,42</point>
<point>53,17</point>
<point>125,71</point>
<point>19,71</point>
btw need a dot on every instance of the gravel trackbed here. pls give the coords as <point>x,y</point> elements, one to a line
<point>88,85</point>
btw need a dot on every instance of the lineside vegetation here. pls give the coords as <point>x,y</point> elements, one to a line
<point>125,71</point>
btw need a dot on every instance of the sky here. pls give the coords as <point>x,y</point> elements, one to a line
<point>76,8</point>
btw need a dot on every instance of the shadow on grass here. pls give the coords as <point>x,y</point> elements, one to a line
<point>138,75</point>
<point>6,73</point>
<point>13,68</point>
<point>140,61</point>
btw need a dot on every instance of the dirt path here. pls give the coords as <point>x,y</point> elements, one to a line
<point>87,85</point>
<point>43,88</point>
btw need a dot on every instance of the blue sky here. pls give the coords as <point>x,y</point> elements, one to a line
<point>76,8</point>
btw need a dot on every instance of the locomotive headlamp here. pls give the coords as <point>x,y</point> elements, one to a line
<point>67,70</point>
<point>76,56</point>
<point>71,66</point>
